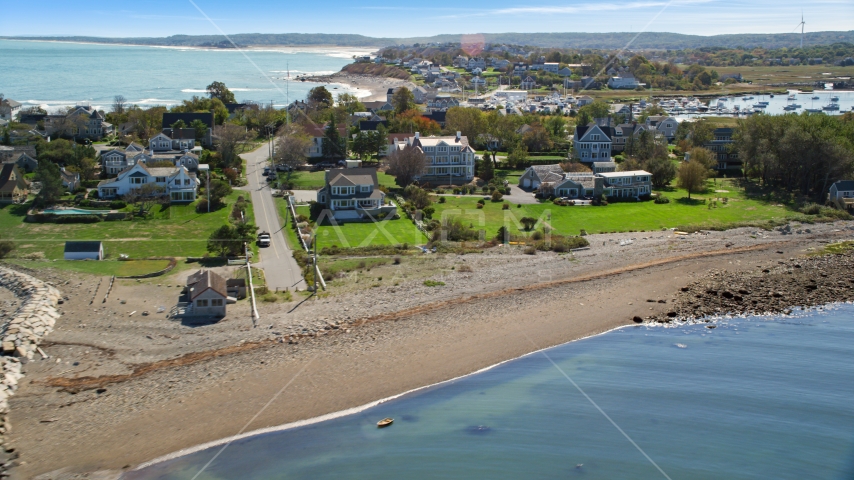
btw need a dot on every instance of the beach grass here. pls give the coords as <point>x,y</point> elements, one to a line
<point>119,268</point>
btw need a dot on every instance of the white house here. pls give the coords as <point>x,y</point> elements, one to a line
<point>114,161</point>
<point>175,182</point>
<point>451,159</point>
<point>584,100</point>
<point>84,251</point>
<point>173,139</point>
<point>207,292</point>
<point>70,180</point>
<point>630,184</point>
<point>9,109</point>
<point>842,194</point>
<point>626,81</point>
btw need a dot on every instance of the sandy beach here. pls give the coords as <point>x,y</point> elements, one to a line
<point>120,390</point>
<point>377,86</point>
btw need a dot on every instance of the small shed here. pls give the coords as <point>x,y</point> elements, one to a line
<point>207,293</point>
<point>84,250</point>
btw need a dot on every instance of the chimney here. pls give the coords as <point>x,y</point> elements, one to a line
<point>459,134</point>
<point>417,135</point>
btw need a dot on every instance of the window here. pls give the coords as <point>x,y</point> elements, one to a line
<point>186,181</point>
<point>364,188</point>
<point>216,302</point>
<point>178,181</point>
<point>201,303</point>
<point>160,179</point>
<point>137,180</point>
<point>595,138</point>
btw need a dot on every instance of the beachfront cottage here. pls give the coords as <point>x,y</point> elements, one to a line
<point>84,251</point>
<point>353,194</point>
<point>842,194</point>
<point>176,183</point>
<point>207,294</point>
<point>450,159</point>
<point>13,186</point>
<point>630,184</point>
<point>535,175</point>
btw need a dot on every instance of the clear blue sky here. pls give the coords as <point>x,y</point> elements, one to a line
<point>157,18</point>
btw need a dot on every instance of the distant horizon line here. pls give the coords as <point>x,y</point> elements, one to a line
<point>419,36</point>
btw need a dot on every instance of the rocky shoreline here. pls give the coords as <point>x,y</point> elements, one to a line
<point>794,282</point>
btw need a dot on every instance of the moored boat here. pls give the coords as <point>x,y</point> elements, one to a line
<point>385,422</point>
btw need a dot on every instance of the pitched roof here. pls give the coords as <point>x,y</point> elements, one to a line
<point>844,185</point>
<point>188,118</point>
<point>316,130</point>
<point>604,164</point>
<point>542,171</point>
<point>80,247</point>
<point>351,176</point>
<point>207,280</point>
<point>180,133</point>
<point>7,185</point>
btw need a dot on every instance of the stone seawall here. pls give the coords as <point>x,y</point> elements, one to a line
<point>20,335</point>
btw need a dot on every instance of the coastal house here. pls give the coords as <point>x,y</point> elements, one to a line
<point>842,194</point>
<point>207,294</point>
<point>620,109</point>
<point>535,175</point>
<point>88,250</point>
<point>450,158</point>
<point>623,81</point>
<point>207,118</point>
<point>421,94</point>
<point>584,100</point>
<point>114,161</point>
<point>626,133</point>
<point>70,180</point>
<point>352,194</point>
<point>173,139</point>
<point>565,72</point>
<point>81,121</point>
<point>176,183</point>
<point>9,109</point>
<point>576,185</point>
<point>26,163</point>
<point>664,125</point>
<point>721,146</point>
<point>528,83</point>
<point>14,187</point>
<point>592,142</point>
<point>378,106</point>
<point>629,184</point>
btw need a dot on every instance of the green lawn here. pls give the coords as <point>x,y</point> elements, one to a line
<point>314,180</point>
<point>104,267</point>
<point>174,231</point>
<point>618,217</point>
<point>390,232</point>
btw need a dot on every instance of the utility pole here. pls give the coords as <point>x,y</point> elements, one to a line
<point>315,263</point>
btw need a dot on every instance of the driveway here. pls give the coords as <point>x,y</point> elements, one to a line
<point>517,195</point>
<point>280,268</point>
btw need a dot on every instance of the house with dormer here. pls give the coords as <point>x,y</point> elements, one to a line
<point>114,161</point>
<point>592,142</point>
<point>664,125</point>
<point>173,140</point>
<point>450,158</point>
<point>536,175</point>
<point>81,121</point>
<point>13,186</point>
<point>353,194</point>
<point>176,183</point>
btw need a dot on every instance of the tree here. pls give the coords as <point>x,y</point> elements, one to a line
<point>7,137</point>
<point>537,139</point>
<point>220,91</point>
<point>224,241</point>
<point>201,128</point>
<point>147,196</point>
<point>468,121</point>
<point>518,155</point>
<point>502,128</point>
<point>350,103</point>
<point>229,138</point>
<point>292,143</point>
<point>334,146</point>
<point>218,190</point>
<point>406,164</point>
<point>119,104</point>
<point>692,176</point>
<point>704,156</point>
<point>663,171</point>
<point>178,124</point>
<point>402,100</point>
<point>319,98</point>
<point>556,126</point>
<point>486,170</point>
<point>51,180</point>
<point>592,111</point>
<point>528,222</point>
<point>413,121</point>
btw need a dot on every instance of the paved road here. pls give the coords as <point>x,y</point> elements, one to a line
<point>278,262</point>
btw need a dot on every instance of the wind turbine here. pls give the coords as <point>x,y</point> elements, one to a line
<point>802,29</point>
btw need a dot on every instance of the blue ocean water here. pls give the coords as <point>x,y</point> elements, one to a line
<point>755,398</point>
<point>61,74</point>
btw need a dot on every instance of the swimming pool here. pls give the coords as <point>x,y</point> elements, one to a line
<point>75,211</point>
